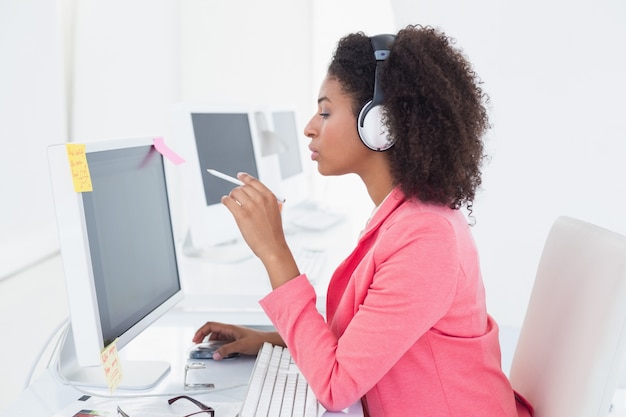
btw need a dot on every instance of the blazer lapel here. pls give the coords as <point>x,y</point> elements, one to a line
<point>342,275</point>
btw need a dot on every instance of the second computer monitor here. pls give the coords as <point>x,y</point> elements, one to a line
<point>224,143</point>
<point>227,140</point>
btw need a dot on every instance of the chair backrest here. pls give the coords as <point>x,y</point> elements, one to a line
<point>572,343</point>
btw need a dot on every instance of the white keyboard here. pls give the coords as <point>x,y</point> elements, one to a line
<point>277,388</point>
<point>310,262</point>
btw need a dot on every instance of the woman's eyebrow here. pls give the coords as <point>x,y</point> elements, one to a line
<point>322,99</point>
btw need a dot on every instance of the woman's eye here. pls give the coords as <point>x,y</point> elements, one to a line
<point>324,115</point>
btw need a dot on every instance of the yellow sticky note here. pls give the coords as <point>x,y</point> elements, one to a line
<point>79,167</point>
<point>111,365</point>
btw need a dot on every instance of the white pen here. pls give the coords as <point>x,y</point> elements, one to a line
<point>234,180</point>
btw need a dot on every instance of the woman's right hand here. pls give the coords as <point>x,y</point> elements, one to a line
<point>242,340</point>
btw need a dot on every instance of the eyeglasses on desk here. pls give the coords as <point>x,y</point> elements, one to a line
<point>204,408</point>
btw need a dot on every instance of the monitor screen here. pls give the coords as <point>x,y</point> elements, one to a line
<point>295,180</point>
<point>131,244</point>
<point>117,245</point>
<point>285,129</point>
<point>224,143</point>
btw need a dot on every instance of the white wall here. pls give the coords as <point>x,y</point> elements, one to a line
<point>555,73</point>
<point>32,116</point>
<point>124,68</point>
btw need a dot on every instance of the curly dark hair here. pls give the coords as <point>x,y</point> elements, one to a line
<point>433,106</point>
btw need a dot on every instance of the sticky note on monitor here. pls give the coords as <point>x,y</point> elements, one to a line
<point>78,165</point>
<point>168,153</point>
<point>111,365</point>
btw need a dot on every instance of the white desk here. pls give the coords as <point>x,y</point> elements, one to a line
<point>168,339</point>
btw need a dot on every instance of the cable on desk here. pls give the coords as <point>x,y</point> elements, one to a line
<point>31,371</point>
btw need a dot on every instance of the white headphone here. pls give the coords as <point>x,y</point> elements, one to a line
<point>372,130</point>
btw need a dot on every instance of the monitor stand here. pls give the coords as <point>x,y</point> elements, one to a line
<point>136,375</point>
<point>233,251</point>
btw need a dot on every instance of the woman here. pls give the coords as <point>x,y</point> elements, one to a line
<point>407,331</point>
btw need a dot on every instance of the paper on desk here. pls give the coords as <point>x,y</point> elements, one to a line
<point>159,408</point>
<point>143,407</point>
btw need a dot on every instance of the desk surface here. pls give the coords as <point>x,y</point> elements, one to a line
<point>168,339</point>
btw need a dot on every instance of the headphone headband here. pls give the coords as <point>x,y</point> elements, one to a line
<point>381,45</point>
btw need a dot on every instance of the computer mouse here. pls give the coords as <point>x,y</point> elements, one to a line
<point>205,350</point>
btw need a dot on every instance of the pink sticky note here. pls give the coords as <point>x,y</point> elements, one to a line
<point>163,149</point>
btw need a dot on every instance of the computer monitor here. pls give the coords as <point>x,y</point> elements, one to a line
<point>118,250</point>
<point>294,182</point>
<point>228,140</point>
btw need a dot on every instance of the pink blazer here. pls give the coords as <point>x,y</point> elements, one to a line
<point>407,330</point>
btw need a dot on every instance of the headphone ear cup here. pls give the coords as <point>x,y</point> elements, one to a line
<point>372,130</point>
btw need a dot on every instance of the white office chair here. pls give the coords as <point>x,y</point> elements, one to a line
<point>572,342</point>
